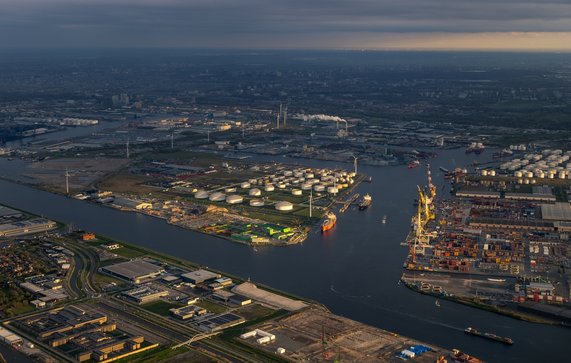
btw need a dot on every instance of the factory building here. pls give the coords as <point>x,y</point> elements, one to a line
<point>199,276</point>
<point>145,294</point>
<point>135,271</point>
<point>26,227</point>
<point>187,312</point>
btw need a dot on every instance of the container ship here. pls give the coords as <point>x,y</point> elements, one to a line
<point>329,222</point>
<point>365,202</point>
<point>413,164</point>
<point>497,338</point>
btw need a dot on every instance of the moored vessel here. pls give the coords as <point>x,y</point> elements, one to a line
<point>413,164</point>
<point>497,338</point>
<point>329,222</point>
<point>365,202</point>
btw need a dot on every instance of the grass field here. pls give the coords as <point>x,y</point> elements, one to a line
<point>160,307</point>
<point>211,306</point>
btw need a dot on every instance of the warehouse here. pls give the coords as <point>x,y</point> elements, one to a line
<point>187,312</point>
<point>26,227</point>
<point>145,294</point>
<point>556,212</point>
<point>199,276</point>
<point>135,271</point>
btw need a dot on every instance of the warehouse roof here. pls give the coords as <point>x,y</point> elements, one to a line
<point>556,212</point>
<point>133,270</point>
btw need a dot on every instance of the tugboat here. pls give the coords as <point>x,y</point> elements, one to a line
<point>365,202</point>
<point>494,337</point>
<point>329,222</point>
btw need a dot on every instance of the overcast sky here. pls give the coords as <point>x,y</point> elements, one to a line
<point>322,24</point>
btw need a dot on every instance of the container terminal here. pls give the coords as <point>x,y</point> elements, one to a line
<point>496,244</point>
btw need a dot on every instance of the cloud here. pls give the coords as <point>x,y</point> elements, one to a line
<point>268,23</point>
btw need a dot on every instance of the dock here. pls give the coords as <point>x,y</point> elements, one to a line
<point>348,202</point>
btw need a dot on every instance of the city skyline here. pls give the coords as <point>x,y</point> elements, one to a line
<point>250,24</point>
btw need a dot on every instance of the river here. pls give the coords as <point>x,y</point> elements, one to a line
<point>354,270</point>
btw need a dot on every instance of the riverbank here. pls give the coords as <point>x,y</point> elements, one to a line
<point>481,305</point>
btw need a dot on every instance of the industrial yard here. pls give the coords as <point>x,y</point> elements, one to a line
<point>502,242</point>
<point>251,203</point>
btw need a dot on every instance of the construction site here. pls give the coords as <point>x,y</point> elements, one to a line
<point>503,251</point>
<point>317,335</point>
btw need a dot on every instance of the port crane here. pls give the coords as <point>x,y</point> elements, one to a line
<point>425,213</point>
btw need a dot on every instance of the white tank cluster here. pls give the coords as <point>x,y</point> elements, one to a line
<point>549,164</point>
<point>294,181</point>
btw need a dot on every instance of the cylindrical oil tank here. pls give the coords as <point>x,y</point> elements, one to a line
<point>269,188</point>
<point>245,185</point>
<point>234,199</point>
<point>217,197</point>
<point>201,194</point>
<point>296,192</point>
<point>332,190</point>
<point>319,187</point>
<point>255,192</point>
<point>284,206</point>
<point>257,203</point>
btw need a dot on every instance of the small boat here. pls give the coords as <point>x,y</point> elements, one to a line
<point>443,169</point>
<point>496,280</point>
<point>437,303</point>
<point>384,220</point>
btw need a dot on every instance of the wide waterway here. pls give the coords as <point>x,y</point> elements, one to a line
<point>354,270</point>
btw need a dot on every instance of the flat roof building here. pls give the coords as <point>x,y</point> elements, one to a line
<point>187,312</point>
<point>556,212</point>
<point>199,276</point>
<point>135,271</point>
<point>145,294</point>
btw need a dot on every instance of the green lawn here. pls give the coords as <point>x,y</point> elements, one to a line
<point>211,306</point>
<point>160,307</point>
<point>128,252</point>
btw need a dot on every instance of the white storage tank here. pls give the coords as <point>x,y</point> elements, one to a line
<point>281,185</point>
<point>306,186</point>
<point>562,175</point>
<point>288,173</point>
<point>533,181</point>
<point>529,174</point>
<point>255,192</point>
<point>526,181</point>
<point>234,199</point>
<point>332,190</point>
<point>230,190</point>
<point>541,174</point>
<point>217,197</point>
<point>245,185</point>
<point>484,172</point>
<point>256,203</point>
<point>319,187</point>
<point>492,173</point>
<point>269,188</point>
<point>284,206</point>
<point>201,194</point>
<point>309,175</point>
<point>296,192</point>
<point>551,175</point>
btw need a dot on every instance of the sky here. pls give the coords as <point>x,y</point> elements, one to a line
<point>543,25</point>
